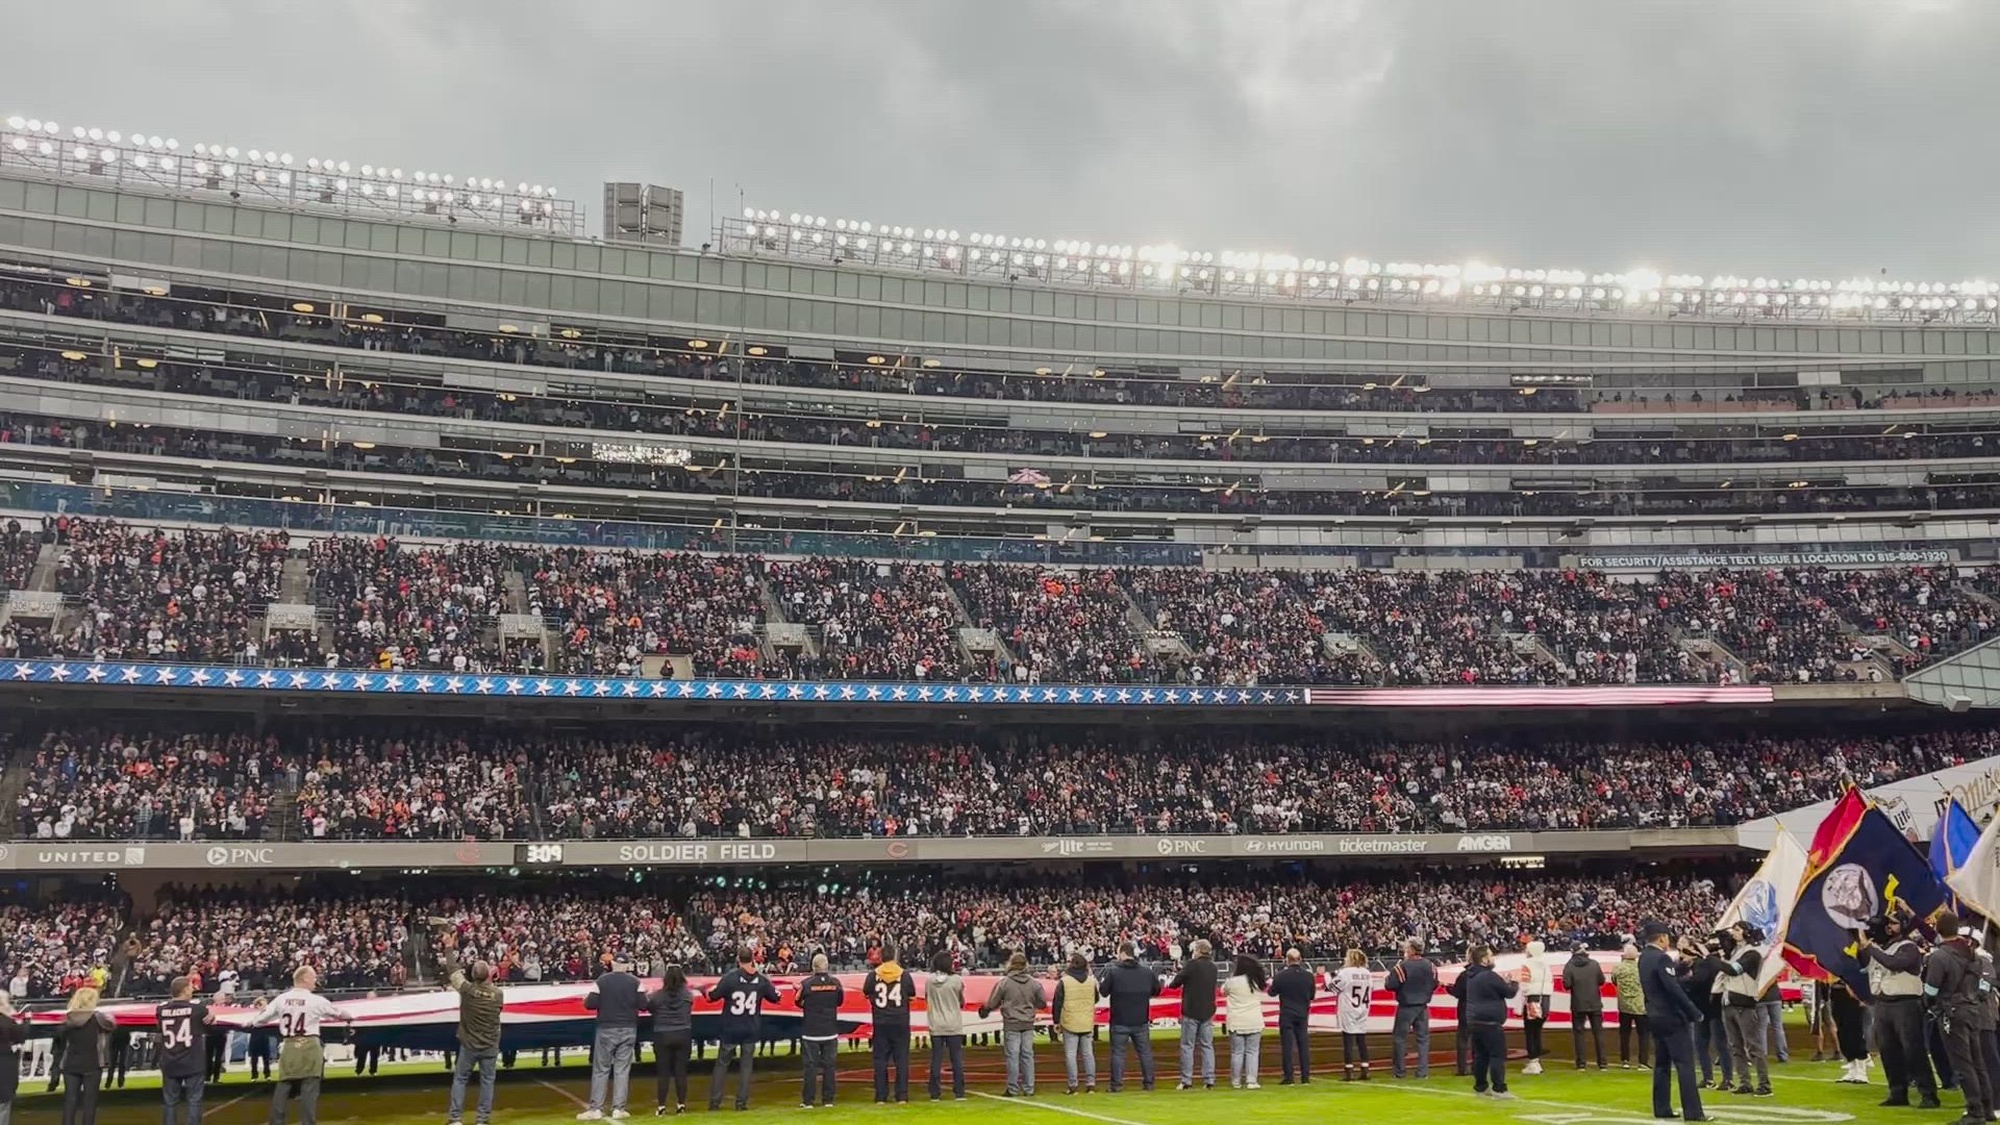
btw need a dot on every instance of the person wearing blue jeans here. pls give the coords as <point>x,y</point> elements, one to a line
<point>1130,987</point>
<point>1774,1016</point>
<point>1141,1039</point>
<point>1196,982</point>
<point>1019,999</point>
<point>484,1060</point>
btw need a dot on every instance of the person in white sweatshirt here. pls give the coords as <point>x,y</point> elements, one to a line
<point>1536,992</point>
<point>1243,995</point>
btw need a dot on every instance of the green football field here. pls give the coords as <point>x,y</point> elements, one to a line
<point>529,1095</point>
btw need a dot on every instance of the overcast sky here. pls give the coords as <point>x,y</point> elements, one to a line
<point>1816,137</point>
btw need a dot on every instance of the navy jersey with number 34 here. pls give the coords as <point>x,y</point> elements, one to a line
<point>743,996</point>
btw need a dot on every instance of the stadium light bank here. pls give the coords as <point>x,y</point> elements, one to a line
<point>1170,269</point>
<point>163,164</point>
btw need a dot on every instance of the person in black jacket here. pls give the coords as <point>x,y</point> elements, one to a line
<point>743,992</point>
<point>819,999</point>
<point>890,991</point>
<point>672,1005</point>
<point>1711,1044</point>
<point>1485,996</point>
<point>13,1033</point>
<point>1197,981</point>
<point>1130,987</point>
<point>1295,986</point>
<point>1583,979</point>
<point>1670,1017</point>
<point>82,1035</point>
<point>1414,981</point>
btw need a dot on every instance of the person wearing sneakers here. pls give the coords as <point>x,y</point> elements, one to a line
<point>1076,1019</point>
<point>1631,1007</point>
<point>891,992</point>
<point>480,1003</point>
<point>1017,997</point>
<point>1354,988</point>
<point>1743,1017</point>
<point>1486,996</point>
<point>1850,1032</point>
<point>1536,991</point>
<point>1130,987</point>
<point>944,1007</point>
<point>298,1012</point>
<point>1243,1019</point>
<point>743,992</point>
<point>1583,979</point>
<point>672,1005</point>
<point>1295,986</point>
<point>819,997</point>
<point>616,1002</point>
<point>1196,981</point>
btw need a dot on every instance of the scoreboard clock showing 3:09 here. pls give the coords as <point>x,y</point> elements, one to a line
<point>538,855</point>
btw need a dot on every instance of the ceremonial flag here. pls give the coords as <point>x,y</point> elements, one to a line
<point>1977,876</point>
<point>1952,841</point>
<point>1767,901</point>
<point>1871,869</point>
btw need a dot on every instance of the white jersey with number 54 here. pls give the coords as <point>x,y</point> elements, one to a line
<point>1356,988</point>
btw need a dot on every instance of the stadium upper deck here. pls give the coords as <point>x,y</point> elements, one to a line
<point>456,341</point>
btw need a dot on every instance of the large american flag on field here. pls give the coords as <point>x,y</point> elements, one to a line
<point>1649,696</point>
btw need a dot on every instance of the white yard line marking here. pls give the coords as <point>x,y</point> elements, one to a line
<point>1030,1103</point>
<point>563,1092</point>
<point>224,1105</point>
<point>1728,1110</point>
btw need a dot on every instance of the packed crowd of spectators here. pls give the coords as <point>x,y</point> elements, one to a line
<point>875,621</point>
<point>144,594</point>
<point>1244,627</point>
<point>614,608</point>
<point>258,937</point>
<point>421,786</point>
<point>1051,917</point>
<point>360,934</point>
<point>148,594</point>
<point>19,548</point>
<point>561,936</point>
<point>398,606</point>
<point>47,949</point>
<point>881,787</point>
<point>1058,627</point>
<point>136,785</point>
<point>457,782</point>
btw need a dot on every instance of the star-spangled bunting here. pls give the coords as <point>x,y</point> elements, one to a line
<point>227,678</point>
<point>370,682</point>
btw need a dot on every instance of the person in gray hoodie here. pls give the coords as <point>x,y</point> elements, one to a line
<point>944,1004</point>
<point>1018,997</point>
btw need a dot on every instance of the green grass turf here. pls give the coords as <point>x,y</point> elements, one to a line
<point>530,1095</point>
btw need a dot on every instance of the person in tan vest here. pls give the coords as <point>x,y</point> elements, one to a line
<point>1076,1017</point>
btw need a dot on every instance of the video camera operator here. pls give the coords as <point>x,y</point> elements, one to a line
<point>1743,1018</point>
<point>1896,992</point>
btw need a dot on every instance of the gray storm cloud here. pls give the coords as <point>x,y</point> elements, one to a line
<point>1788,136</point>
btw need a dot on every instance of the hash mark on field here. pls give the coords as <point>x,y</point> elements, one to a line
<point>1025,1103</point>
<point>563,1092</point>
